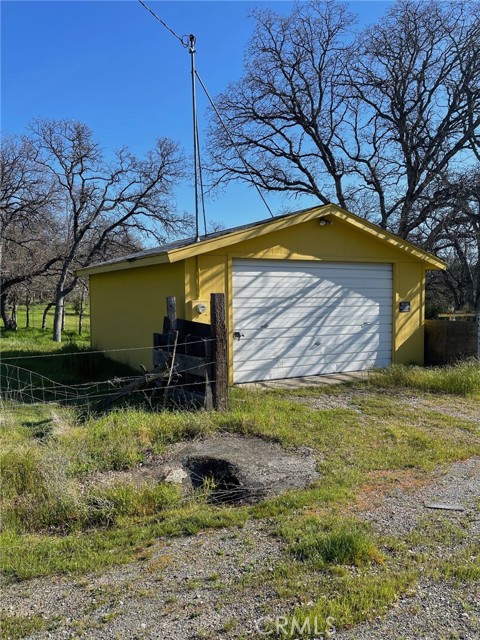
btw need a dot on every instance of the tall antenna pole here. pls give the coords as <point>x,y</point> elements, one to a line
<point>191,49</point>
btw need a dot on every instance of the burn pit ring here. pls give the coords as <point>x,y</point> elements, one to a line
<point>221,479</point>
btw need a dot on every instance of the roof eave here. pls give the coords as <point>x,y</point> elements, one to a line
<point>130,263</point>
<point>209,244</point>
<point>404,245</point>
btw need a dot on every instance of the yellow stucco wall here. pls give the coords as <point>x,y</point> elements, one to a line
<point>128,306</point>
<point>409,284</point>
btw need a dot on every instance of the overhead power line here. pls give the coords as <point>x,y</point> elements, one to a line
<point>234,143</point>
<point>188,42</point>
<point>181,39</point>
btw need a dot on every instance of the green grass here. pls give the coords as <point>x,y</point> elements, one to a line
<point>36,314</point>
<point>461,379</point>
<point>69,362</point>
<point>15,627</point>
<point>345,543</point>
<point>460,563</point>
<point>347,600</point>
<point>464,566</point>
<point>66,364</point>
<point>44,476</point>
<point>346,575</point>
<point>58,519</point>
<point>39,494</point>
<point>31,555</point>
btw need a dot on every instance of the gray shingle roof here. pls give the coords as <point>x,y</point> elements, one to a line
<point>185,242</point>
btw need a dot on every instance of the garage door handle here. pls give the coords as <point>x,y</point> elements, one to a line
<point>237,335</point>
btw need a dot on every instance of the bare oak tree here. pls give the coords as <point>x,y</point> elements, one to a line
<point>455,234</point>
<point>27,202</point>
<point>415,93</point>
<point>368,119</point>
<point>287,114</point>
<point>103,203</point>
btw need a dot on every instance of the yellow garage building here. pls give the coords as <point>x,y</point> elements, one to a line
<point>314,292</point>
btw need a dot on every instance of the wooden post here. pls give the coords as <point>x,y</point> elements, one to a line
<point>220,365</point>
<point>172,312</point>
<point>172,321</point>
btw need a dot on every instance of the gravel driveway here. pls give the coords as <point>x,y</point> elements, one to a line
<point>198,587</point>
<point>444,610</point>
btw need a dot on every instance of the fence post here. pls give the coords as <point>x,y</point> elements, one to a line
<point>478,335</point>
<point>220,365</point>
<point>172,321</point>
<point>172,313</point>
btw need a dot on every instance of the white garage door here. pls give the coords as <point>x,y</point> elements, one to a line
<point>295,319</point>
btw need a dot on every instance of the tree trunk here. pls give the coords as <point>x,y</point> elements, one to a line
<point>15,312</point>
<point>45,313</point>
<point>27,312</point>
<point>8,321</point>
<point>57,318</point>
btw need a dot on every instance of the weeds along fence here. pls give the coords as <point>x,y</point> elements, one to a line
<point>190,371</point>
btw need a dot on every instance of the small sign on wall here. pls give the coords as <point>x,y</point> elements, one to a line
<point>404,306</point>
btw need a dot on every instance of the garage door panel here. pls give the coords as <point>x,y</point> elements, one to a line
<point>254,322</point>
<point>257,342</point>
<point>299,319</point>
<point>311,331</point>
<point>305,343</point>
<point>266,372</point>
<point>335,344</point>
<point>278,269</point>
<point>315,347</point>
<point>314,299</point>
<point>348,347</point>
<point>284,286</point>
<point>309,279</point>
<point>312,310</point>
<point>289,361</point>
<point>308,316</point>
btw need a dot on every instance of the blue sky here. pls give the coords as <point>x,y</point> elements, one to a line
<point>111,65</point>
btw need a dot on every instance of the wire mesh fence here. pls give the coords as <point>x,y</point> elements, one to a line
<point>21,386</point>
